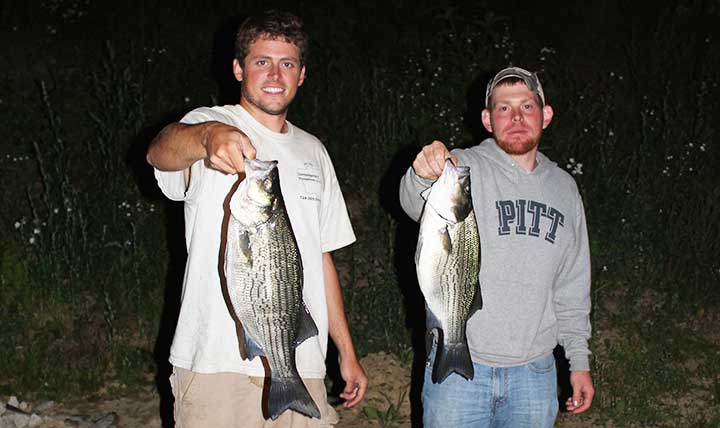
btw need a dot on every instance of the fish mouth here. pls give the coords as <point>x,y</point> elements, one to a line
<point>259,167</point>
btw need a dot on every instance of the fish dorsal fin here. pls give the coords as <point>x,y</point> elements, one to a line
<point>307,327</point>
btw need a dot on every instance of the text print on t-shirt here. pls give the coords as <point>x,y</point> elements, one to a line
<point>309,176</point>
<point>525,215</point>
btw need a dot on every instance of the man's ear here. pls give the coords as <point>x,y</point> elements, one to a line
<point>547,116</point>
<point>237,70</point>
<point>302,76</point>
<point>486,120</point>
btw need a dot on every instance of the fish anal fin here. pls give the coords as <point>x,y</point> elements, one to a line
<point>306,326</point>
<point>477,302</point>
<point>431,321</point>
<point>252,348</point>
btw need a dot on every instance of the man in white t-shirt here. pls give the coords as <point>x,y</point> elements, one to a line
<point>198,160</point>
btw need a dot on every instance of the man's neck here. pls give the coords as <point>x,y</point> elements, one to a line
<point>528,161</point>
<point>273,122</point>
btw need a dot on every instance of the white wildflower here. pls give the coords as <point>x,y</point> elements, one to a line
<point>31,240</point>
<point>17,225</point>
<point>36,231</point>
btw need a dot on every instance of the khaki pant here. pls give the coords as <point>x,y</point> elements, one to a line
<point>233,400</point>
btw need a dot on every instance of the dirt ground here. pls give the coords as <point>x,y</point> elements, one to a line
<point>386,404</point>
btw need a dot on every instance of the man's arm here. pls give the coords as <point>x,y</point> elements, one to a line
<point>180,145</point>
<point>350,369</point>
<point>572,309</point>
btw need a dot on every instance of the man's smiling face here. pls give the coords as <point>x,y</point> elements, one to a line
<point>270,76</point>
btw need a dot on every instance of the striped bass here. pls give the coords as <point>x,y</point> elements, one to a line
<point>447,261</point>
<point>264,277</point>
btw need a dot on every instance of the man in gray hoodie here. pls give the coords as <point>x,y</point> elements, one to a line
<point>535,268</point>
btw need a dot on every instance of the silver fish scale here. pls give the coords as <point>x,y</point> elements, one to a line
<point>456,277</point>
<point>267,291</point>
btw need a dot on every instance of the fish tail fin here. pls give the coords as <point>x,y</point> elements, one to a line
<point>290,393</point>
<point>452,357</point>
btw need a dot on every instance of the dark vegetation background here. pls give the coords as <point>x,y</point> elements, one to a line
<point>91,255</point>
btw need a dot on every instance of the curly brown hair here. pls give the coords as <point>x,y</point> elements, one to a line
<point>272,25</point>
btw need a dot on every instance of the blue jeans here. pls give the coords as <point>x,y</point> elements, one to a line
<point>512,397</point>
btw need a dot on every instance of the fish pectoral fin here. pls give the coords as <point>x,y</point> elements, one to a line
<point>445,240</point>
<point>425,193</point>
<point>244,247</point>
<point>307,327</point>
<point>477,302</point>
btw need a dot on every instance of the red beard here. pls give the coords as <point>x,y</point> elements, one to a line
<point>518,144</point>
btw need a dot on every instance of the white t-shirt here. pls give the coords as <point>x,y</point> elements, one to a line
<point>205,339</point>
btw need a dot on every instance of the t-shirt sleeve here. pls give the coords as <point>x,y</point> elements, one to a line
<point>335,227</point>
<point>172,183</point>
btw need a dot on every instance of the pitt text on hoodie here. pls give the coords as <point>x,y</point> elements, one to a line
<point>526,215</point>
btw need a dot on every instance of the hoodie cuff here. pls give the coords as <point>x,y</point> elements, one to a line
<point>579,363</point>
<point>422,182</point>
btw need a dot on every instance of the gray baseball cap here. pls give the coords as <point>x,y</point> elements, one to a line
<point>530,79</point>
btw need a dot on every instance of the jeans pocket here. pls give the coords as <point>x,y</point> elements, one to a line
<point>542,365</point>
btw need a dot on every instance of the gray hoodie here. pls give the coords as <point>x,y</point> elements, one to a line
<point>534,255</point>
